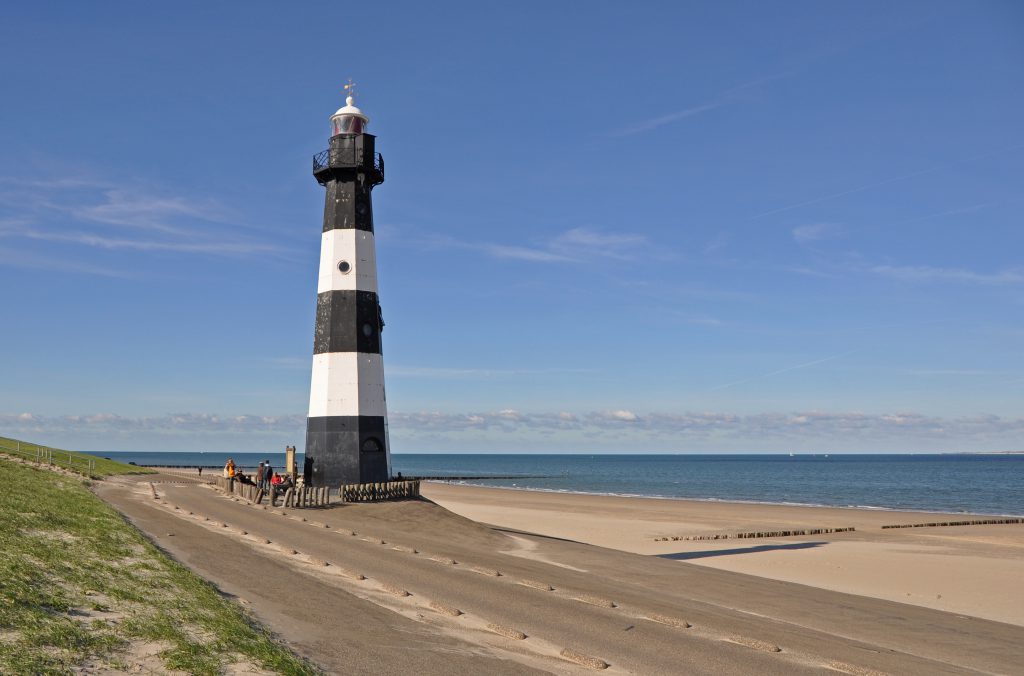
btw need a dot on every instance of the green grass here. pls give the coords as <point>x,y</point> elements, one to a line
<point>78,584</point>
<point>73,460</point>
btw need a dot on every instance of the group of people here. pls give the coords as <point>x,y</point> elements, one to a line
<point>265,478</point>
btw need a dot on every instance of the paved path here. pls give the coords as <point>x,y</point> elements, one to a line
<point>600,604</point>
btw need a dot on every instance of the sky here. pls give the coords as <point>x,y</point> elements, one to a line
<point>605,227</point>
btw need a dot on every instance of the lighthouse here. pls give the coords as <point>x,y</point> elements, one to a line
<point>347,427</point>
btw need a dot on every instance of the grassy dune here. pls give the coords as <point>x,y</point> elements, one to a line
<point>79,586</point>
<point>73,460</point>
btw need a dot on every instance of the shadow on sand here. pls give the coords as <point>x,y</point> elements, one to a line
<point>683,556</point>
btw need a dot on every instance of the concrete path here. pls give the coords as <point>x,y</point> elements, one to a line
<point>580,607</point>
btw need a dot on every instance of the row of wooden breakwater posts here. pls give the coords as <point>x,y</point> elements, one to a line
<point>934,524</point>
<point>760,534</point>
<point>320,496</point>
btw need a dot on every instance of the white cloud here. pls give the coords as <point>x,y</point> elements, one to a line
<point>585,243</point>
<point>623,424</point>
<point>523,253</point>
<point>814,232</point>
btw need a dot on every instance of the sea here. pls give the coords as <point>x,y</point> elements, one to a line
<point>974,483</point>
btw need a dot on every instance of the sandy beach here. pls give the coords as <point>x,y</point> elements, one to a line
<point>962,569</point>
<point>475,580</point>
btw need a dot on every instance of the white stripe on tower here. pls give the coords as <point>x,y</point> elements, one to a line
<point>347,384</point>
<point>355,247</point>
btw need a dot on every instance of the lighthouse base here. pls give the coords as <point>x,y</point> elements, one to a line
<point>347,449</point>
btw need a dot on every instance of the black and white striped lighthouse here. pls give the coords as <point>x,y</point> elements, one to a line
<point>347,427</point>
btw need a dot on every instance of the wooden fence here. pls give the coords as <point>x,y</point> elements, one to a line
<point>44,455</point>
<point>309,496</point>
<point>386,490</point>
<point>301,497</point>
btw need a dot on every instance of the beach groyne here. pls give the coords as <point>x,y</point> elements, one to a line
<point>760,534</point>
<point>937,524</point>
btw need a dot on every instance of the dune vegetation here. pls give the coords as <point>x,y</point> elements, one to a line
<point>81,588</point>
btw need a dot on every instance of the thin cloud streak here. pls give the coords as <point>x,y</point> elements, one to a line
<point>887,181</point>
<point>449,373</point>
<point>576,245</point>
<point>84,212</point>
<point>226,248</point>
<point>786,370</point>
<point>727,98</point>
<point>666,119</point>
<point>28,261</point>
<point>924,273</point>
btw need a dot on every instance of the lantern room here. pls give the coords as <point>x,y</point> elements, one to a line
<point>348,120</point>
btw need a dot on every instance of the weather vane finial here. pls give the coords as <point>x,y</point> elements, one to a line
<point>350,89</point>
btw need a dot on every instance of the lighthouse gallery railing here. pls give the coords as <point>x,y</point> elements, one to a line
<point>346,157</point>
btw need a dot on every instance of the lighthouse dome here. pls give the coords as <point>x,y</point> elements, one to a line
<point>349,120</point>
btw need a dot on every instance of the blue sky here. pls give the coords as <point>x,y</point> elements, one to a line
<point>649,227</point>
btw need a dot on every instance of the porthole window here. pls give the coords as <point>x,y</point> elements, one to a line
<point>367,329</point>
<point>344,267</point>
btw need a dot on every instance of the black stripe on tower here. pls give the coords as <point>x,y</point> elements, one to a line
<point>348,204</point>
<point>324,435</point>
<point>335,329</point>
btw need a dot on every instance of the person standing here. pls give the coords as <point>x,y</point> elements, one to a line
<point>268,472</point>
<point>259,476</point>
